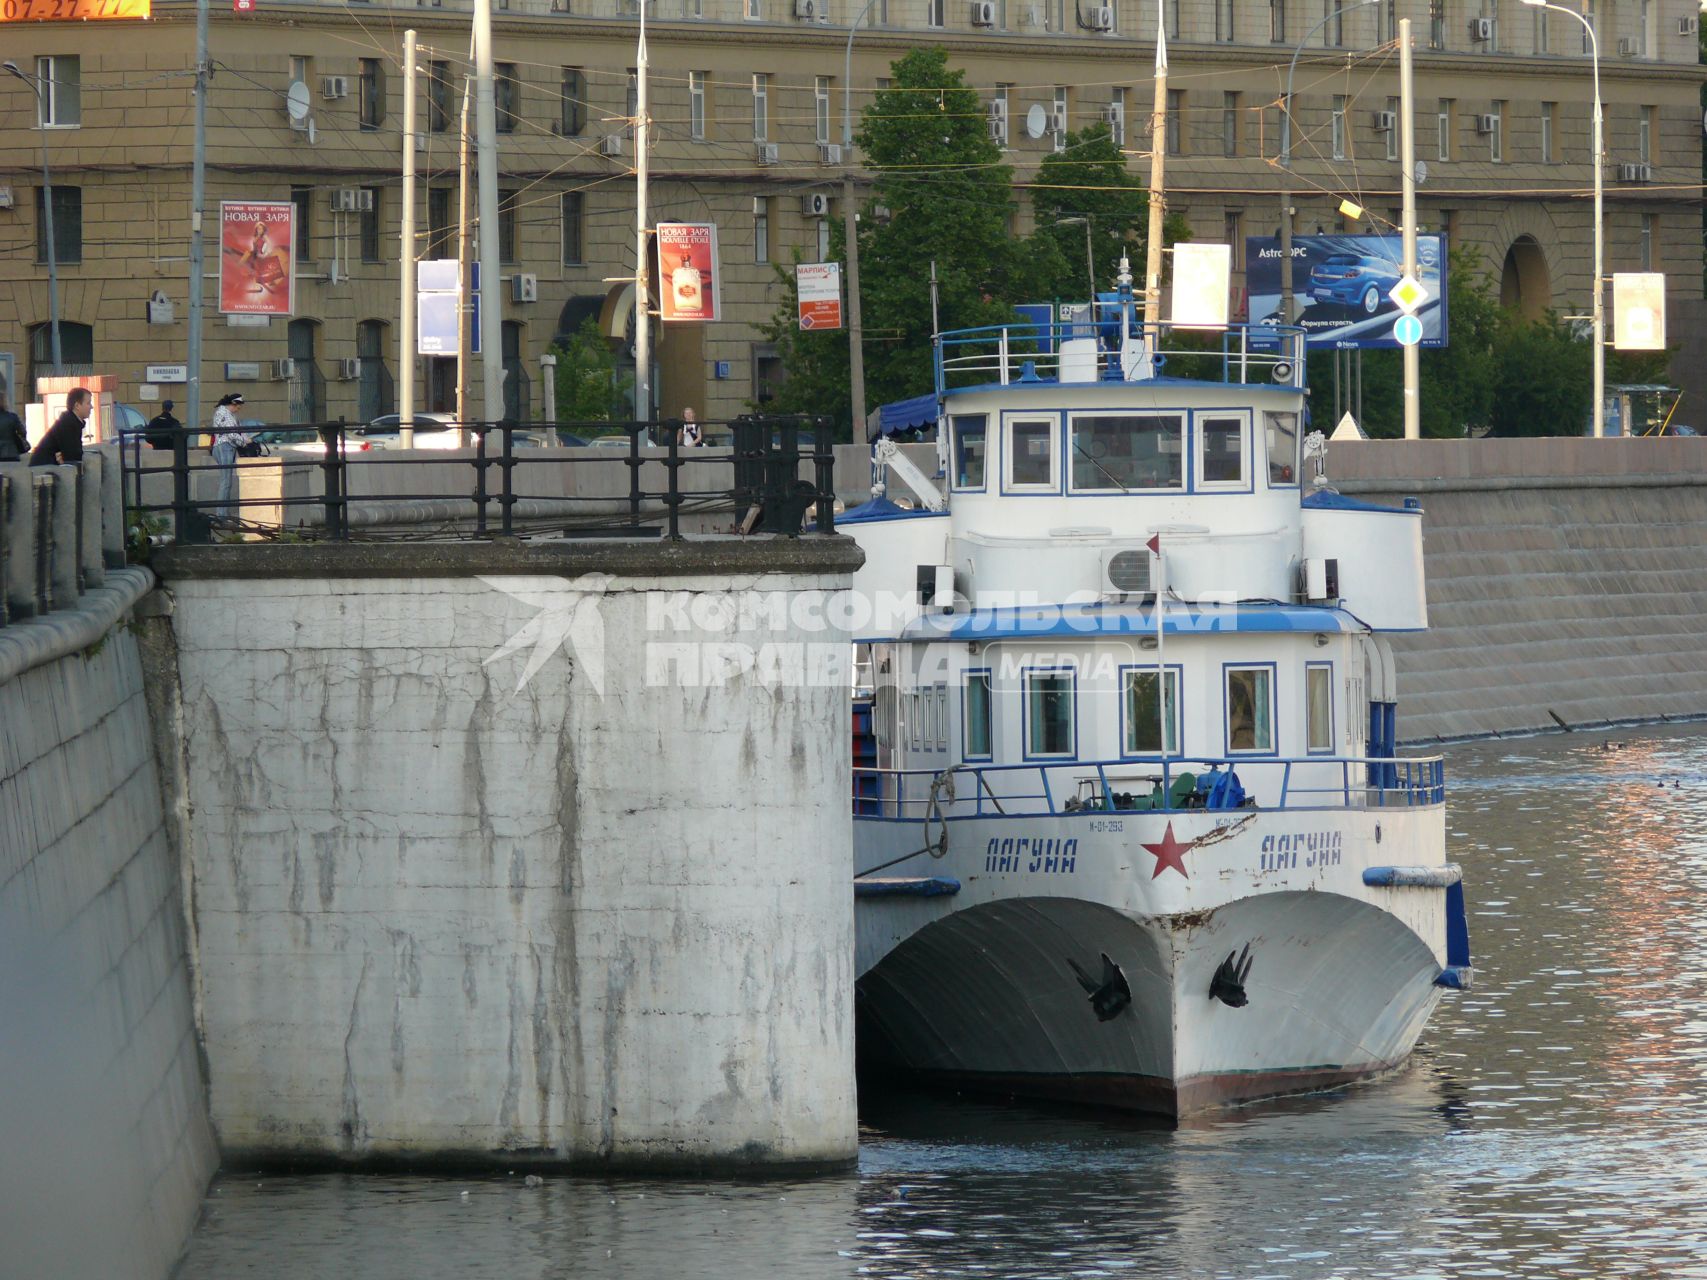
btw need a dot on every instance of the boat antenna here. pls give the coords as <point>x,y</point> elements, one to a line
<point>936,326</point>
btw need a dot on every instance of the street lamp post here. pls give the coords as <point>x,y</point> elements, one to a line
<point>1090,261</point>
<point>47,215</point>
<point>850,233</point>
<point>1598,311</point>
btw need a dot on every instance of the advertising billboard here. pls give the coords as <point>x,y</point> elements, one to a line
<point>819,288</point>
<point>1201,275</point>
<point>1341,287</point>
<point>687,269</point>
<point>257,257</point>
<point>1639,310</point>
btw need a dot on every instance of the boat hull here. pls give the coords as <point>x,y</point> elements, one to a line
<point>995,987</point>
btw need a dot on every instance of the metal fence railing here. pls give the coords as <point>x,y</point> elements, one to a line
<point>766,474</point>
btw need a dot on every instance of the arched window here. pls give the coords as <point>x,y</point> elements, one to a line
<point>76,350</point>
<point>307,386</point>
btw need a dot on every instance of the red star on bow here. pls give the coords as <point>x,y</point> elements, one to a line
<point>1170,853</point>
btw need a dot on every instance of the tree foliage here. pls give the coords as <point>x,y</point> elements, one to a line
<point>588,388</point>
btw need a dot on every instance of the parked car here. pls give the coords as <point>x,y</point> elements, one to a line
<point>297,440</point>
<point>432,431</point>
<point>1352,280</point>
<point>127,421</point>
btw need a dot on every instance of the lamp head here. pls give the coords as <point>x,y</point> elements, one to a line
<point>1536,4</point>
<point>12,67</point>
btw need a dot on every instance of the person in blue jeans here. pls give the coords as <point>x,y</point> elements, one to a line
<point>227,435</point>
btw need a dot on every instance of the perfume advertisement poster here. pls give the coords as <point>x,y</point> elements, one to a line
<point>257,245</point>
<point>687,271</point>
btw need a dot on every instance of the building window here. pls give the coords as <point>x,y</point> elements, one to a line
<point>1437,24</point>
<point>441,229</point>
<point>933,13</point>
<point>1443,129</point>
<point>1387,21</point>
<point>761,109</point>
<point>761,228</point>
<point>371,97</point>
<point>1539,18</point>
<point>1491,15</point>
<point>1333,29</point>
<point>1393,133</point>
<point>1250,709</point>
<point>1229,124</point>
<point>1318,708</point>
<point>1176,122</point>
<point>506,95</point>
<point>1645,134</point>
<point>1172,10</point>
<point>1143,718</point>
<point>60,79</point>
<point>1496,122</point>
<point>1225,28</point>
<point>970,433</point>
<point>574,250</point>
<point>1647,31</point>
<point>1277,21</point>
<point>1647,239</point>
<point>301,68</point>
<point>572,118</point>
<point>1548,111</point>
<point>753,10</point>
<point>975,716</point>
<point>1233,232</point>
<point>1593,24</point>
<point>438,97</point>
<point>1337,123</point>
<point>507,226</point>
<point>1048,713</point>
<point>696,105</point>
<point>67,225</point>
<point>821,107</point>
<point>1116,117</point>
<point>303,199</point>
<point>368,224</point>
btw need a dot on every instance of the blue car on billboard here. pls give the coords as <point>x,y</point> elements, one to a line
<point>1353,280</point>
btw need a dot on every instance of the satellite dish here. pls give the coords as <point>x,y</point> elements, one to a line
<point>1420,173</point>
<point>313,133</point>
<point>1036,121</point>
<point>296,102</point>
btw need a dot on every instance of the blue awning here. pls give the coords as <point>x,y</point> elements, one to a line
<point>904,415</point>
<point>882,509</point>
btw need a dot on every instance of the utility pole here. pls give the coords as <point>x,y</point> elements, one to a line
<point>850,234</point>
<point>406,304</point>
<point>1158,193</point>
<point>198,194</point>
<point>1408,227</point>
<point>486,164</point>
<point>642,246</point>
<point>464,282</point>
<point>34,83</point>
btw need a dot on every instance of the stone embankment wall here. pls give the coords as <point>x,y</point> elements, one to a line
<point>525,854</point>
<point>1566,577</point>
<point>105,1147</point>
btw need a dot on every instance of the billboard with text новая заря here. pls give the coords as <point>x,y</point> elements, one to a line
<point>1341,286</point>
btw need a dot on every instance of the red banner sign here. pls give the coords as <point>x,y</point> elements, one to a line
<point>687,269</point>
<point>257,257</point>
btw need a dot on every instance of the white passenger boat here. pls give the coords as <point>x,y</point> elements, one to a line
<point>1130,826</point>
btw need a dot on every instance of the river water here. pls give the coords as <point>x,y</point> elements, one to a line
<point>1553,1121</point>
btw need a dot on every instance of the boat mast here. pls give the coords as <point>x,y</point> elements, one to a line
<point>1158,192</point>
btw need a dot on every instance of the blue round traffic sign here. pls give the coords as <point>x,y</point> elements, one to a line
<point>1407,331</point>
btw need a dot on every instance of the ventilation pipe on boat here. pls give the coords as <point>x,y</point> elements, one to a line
<point>1134,352</point>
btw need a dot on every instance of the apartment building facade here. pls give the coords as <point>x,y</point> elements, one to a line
<point>747,100</point>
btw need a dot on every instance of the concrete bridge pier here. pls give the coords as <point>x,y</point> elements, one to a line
<point>531,853</point>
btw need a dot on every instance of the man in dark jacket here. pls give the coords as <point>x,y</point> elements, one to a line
<point>64,439</point>
<point>14,442</point>
<point>162,429</point>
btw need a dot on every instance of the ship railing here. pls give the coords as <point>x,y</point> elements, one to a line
<point>1026,352</point>
<point>1069,788</point>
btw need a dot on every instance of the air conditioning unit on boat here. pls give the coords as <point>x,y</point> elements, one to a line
<point>1321,579</point>
<point>1126,572</point>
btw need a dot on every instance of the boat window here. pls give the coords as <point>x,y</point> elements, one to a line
<point>975,715</point>
<point>1128,451</point>
<point>969,433</point>
<point>1221,457</point>
<point>1031,454</point>
<point>1049,713</point>
<point>942,717</point>
<point>1250,709</point>
<point>1143,716</point>
<point>1282,448</point>
<point>1318,706</point>
<point>913,717</point>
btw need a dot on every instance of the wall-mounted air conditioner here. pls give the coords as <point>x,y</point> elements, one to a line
<point>1487,124</point>
<point>524,287</point>
<point>1126,572</point>
<point>610,144</point>
<point>1635,173</point>
<point>1031,15</point>
<point>349,368</point>
<point>806,10</point>
<point>1386,121</point>
<point>1629,47</point>
<point>284,370</point>
<point>999,122</point>
<point>1482,29</point>
<point>1058,120</point>
<point>829,153</point>
<point>767,152</point>
<point>815,204</point>
<point>1688,26</point>
<point>1102,18</point>
<point>983,13</point>
<point>334,87</point>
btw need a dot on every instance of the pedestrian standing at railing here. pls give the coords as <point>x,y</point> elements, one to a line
<point>163,428</point>
<point>690,437</point>
<point>227,436</point>
<point>64,439</point>
<point>14,441</point>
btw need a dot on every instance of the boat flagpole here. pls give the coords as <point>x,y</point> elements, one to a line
<point>1155,545</point>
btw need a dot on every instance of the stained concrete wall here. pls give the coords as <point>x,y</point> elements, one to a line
<point>454,906</point>
<point>105,1147</point>
<point>1566,577</point>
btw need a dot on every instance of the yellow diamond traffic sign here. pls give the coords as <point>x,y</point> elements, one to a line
<point>1409,293</point>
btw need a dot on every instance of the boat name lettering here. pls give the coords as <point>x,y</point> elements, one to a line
<point>1032,853</point>
<point>1302,849</point>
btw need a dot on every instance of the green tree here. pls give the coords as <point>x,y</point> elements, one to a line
<point>1089,178</point>
<point>1543,379</point>
<point>588,388</point>
<point>946,197</point>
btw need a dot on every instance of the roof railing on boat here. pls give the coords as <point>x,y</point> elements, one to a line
<point>1066,788</point>
<point>1090,351</point>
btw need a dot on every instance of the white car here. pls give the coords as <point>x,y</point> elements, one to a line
<point>432,431</point>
